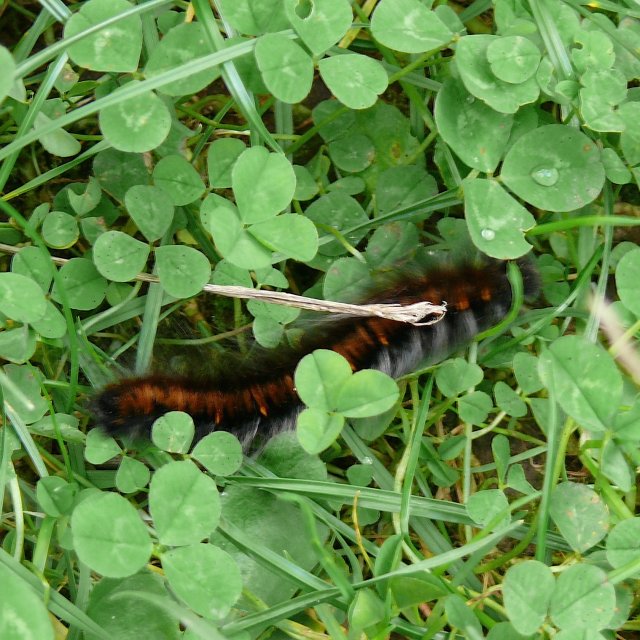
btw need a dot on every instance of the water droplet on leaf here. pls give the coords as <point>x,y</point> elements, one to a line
<point>488,234</point>
<point>545,176</point>
<point>303,9</point>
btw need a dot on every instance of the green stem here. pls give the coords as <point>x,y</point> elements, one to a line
<point>585,221</point>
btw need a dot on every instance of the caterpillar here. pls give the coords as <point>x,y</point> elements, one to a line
<point>256,397</point>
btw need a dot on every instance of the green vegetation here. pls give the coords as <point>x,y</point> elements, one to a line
<point>310,145</point>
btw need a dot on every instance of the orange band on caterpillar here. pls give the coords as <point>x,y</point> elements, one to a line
<point>258,397</point>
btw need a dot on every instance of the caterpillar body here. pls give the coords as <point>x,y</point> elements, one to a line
<point>257,397</point>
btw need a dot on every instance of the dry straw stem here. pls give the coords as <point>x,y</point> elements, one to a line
<point>622,342</point>
<point>412,313</point>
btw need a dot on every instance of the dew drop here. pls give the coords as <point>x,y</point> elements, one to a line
<point>367,460</point>
<point>303,9</point>
<point>545,176</point>
<point>488,234</point>
<point>470,99</point>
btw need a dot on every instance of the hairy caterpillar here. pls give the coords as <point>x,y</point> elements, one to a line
<point>257,397</point>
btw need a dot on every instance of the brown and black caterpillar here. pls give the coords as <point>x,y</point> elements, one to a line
<point>257,397</point>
